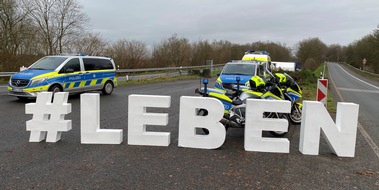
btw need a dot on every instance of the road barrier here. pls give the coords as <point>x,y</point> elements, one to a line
<point>322,91</point>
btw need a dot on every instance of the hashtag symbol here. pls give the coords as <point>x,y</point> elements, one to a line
<point>48,118</point>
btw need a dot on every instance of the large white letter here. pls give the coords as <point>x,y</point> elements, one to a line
<point>255,124</point>
<point>138,118</point>
<point>341,136</point>
<point>48,118</point>
<point>90,122</point>
<point>189,121</point>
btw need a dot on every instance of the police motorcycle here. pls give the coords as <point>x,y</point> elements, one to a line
<point>235,103</point>
<point>293,93</point>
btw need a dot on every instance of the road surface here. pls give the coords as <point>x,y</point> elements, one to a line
<point>68,164</point>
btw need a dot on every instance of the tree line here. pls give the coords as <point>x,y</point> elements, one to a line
<point>30,29</point>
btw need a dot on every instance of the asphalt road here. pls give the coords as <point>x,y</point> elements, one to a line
<point>348,86</point>
<point>68,164</point>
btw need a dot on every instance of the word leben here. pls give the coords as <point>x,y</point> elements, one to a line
<point>48,122</point>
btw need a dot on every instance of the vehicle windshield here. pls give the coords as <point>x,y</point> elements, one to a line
<point>48,63</point>
<point>239,69</point>
<point>290,80</point>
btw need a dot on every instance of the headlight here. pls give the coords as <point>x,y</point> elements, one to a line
<point>38,81</point>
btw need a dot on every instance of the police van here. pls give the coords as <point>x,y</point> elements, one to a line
<point>243,70</point>
<point>73,74</point>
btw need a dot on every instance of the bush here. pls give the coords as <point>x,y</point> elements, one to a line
<point>304,76</point>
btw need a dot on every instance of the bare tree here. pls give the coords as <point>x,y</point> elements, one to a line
<point>137,53</point>
<point>16,32</point>
<point>221,51</point>
<point>334,53</point>
<point>59,22</point>
<point>14,29</point>
<point>311,49</point>
<point>174,51</point>
<point>129,54</point>
<point>91,44</point>
<point>201,51</point>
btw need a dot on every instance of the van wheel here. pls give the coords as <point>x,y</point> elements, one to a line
<point>55,89</point>
<point>108,88</point>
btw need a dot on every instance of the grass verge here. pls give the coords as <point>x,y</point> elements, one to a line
<point>308,82</point>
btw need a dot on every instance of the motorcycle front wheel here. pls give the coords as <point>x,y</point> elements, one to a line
<point>295,115</point>
<point>204,112</point>
<point>281,116</point>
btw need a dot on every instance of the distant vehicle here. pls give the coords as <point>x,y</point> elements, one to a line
<point>59,73</point>
<point>286,66</point>
<point>242,69</point>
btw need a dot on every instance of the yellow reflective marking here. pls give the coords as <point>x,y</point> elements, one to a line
<point>93,82</point>
<point>49,75</point>
<point>37,89</point>
<point>82,83</point>
<point>71,85</point>
<point>220,96</point>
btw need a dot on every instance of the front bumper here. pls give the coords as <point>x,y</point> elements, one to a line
<point>25,92</point>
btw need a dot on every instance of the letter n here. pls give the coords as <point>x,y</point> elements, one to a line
<point>340,136</point>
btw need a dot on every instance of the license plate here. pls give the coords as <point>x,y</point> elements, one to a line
<point>17,89</point>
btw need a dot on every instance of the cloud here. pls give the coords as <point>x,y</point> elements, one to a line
<point>241,21</point>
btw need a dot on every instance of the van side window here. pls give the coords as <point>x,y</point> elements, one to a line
<point>71,66</point>
<point>97,64</point>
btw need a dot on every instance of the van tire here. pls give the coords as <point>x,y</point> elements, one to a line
<point>108,88</point>
<point>55,88</point>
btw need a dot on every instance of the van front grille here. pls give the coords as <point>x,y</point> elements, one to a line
<point>19,82</point>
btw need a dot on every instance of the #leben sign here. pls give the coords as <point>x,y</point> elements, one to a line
<point>48,123</point>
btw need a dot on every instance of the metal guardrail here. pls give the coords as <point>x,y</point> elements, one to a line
<point>7,74</point>
<point>373,74</point>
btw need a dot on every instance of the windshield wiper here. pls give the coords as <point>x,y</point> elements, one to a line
<point>37,69</point>
<point>240,74</point>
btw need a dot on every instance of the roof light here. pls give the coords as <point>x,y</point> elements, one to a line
<point>256,52</point>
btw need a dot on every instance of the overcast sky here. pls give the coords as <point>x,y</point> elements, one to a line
<point>238,21</point>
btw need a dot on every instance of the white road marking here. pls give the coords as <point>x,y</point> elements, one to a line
<point>359,79</point>
<point>359,90</point>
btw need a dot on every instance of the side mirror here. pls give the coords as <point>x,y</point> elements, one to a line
<point>69,70</point>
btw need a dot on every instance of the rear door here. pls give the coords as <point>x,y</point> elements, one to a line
<point>97,72</point>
